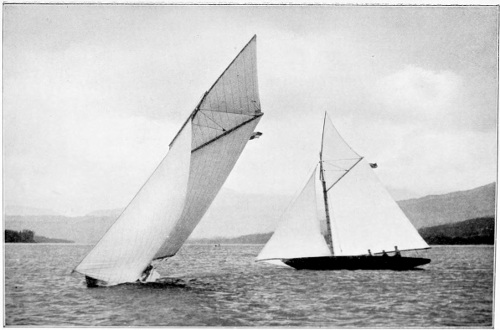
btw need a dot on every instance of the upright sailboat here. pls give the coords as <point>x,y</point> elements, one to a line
<point>167,208</point>
<point>343,218</point>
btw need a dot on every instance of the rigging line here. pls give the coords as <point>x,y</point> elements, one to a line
<point>336,166</point>
<point>227,132</point>
<point>190,117</point>
<point>338,159</point>
<point>344,174</point>
<point>201,111</point>
<point>209,127</point>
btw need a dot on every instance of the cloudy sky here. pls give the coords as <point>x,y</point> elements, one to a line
<point>92,95</point>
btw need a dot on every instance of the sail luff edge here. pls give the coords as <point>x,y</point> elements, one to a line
<point>190,117</point>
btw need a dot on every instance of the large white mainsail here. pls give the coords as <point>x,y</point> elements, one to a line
<point>172,202</point>
<point>366,216</point>
<point>359,212</point>
<point>363,215</point>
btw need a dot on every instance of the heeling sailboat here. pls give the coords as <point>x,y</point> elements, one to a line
<point>343,218</point>
<point>167,208</point>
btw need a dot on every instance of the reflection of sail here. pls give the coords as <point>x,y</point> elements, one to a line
<point>172,202</point>
<point>298,235</point>
<point>130,244</point>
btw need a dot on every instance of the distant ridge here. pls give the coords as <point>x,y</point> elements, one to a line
<point>450,208</point>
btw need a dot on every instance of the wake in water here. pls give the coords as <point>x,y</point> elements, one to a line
<point>173,282</point>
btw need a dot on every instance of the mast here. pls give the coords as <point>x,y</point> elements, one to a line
<point>325,194</point>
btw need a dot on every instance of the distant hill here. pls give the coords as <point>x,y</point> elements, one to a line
<point>234,214</point>
<point>43,239</point>
<point>473,231</point>
<point>449,208</point>
<point>28,236</point>
<point>84,230</point>
<point>105,213</point>
<point>246,239</point>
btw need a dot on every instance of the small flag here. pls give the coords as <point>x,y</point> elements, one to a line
<point>373,165</point>
<point>255,135</point>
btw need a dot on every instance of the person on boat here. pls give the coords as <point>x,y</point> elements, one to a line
<point>397,253</point>
<point>370,253</point>
<point>146,272</point>
<point>384,254</point>
<point>149,275</point>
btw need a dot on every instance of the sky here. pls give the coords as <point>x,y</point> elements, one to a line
<point>93,95</point>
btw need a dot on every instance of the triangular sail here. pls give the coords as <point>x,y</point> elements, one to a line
<point>132,241</point>
<point>366,216</point>
<point>298,235</point>
<point>337,156</point>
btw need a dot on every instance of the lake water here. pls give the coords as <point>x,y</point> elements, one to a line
<point>225,287</point>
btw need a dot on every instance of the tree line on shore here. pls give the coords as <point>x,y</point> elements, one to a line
<point>23,236</point>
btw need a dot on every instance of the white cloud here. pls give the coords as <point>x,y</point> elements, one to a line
<point>417,94</point>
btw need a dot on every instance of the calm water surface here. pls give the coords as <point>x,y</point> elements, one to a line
<point>225,287</point>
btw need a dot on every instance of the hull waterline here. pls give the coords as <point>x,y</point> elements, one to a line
<point>356,262</point>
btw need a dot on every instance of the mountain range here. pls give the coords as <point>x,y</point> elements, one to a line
<point>234,214</point>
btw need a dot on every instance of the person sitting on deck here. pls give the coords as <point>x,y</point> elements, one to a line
<point>384,254</point>
<point>370,253</point>
<point>397,253</point>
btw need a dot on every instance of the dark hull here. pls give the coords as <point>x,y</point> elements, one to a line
<point>93,283</point>
<point>356,262</point>
<point>161,282</point>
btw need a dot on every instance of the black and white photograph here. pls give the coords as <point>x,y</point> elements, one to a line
<point>290,165</point>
